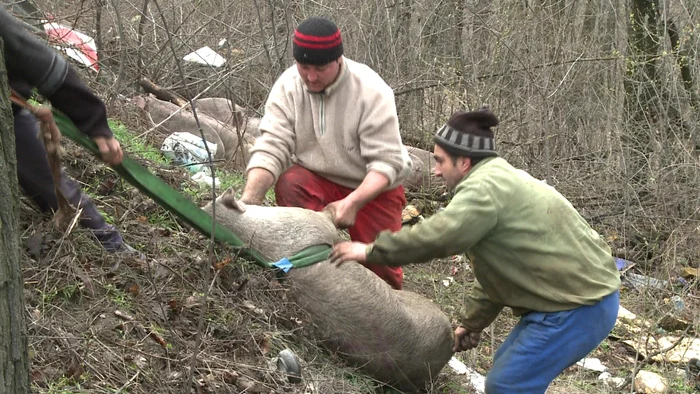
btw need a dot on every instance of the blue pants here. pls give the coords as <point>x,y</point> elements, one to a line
<point>542,345</point>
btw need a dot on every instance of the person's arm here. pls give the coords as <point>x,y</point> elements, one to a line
<point>380,138</point>
<point>272,151</point>
<point>81,105</point>
<point>344,212</point>
<point>258,182</point>
<point>33,61</point>
<point>465,221</point>
<point>479,311</point>
<point>30,58</point>
<point>89,115</point>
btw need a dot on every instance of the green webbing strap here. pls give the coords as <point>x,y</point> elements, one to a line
<point>310,256</point>
<point>179,205</point>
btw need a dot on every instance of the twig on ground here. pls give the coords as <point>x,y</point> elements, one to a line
<point>140,327</point>
<point>649,358</point>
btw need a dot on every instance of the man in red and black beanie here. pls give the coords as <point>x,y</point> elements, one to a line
<point>330,140</point>
<point>529,248</point>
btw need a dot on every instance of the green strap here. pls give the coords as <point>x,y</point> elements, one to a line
<point>311,255</point>
<point>181,206</point>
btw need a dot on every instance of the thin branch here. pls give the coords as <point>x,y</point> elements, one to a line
<point>649,358</point>
<point>99,4</point>
<point>145,332</point>
<point>564,77</point>
<point>496,75</point>
<point>262,32</point>
<point>139,37</point>
<point>280,65</point>
<point>123,53</point>
<point>207,272</point>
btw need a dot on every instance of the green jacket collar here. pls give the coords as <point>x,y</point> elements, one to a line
<point>476,167</point>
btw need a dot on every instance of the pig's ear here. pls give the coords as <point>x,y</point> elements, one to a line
<point>228,199</point>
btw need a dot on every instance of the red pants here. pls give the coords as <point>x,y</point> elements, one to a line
<point>299,187</point>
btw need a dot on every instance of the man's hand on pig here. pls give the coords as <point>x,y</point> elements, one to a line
<point>348,251</point>
<point>465,339</point>
<point>343,212</point>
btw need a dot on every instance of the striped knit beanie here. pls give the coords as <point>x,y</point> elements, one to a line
<point>317,41</point>
<point>469,134</point>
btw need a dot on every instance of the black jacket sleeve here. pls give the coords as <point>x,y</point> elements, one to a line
<point>31,61</point>
<point>81,105</point>
<point>29,58</point>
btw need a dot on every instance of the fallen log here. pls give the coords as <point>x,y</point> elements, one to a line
<point>162,93</point>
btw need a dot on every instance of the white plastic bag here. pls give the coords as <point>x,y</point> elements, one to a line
<point>188,150</point>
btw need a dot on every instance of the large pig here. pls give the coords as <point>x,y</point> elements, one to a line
<point>397,337</point>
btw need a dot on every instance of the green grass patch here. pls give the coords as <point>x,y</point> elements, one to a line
<point>63,385</point>
<point>139,147</point>
<point>118,297</point>
<point>132,144</point>
<point>164,219</point>
<point>107,217</point>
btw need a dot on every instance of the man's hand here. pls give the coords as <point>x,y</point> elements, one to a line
<point>348,251</point>
<point>110,150</point>
<point>344,213</point>
<point>465,339</point>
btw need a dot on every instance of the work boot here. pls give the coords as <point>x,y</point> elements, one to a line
<point>108,236</point>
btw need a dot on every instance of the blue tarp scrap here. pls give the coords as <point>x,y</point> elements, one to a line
<point>284,264</point>
<point>622,263</point>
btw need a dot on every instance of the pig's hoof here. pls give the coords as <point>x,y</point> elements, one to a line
<point>288,363</point>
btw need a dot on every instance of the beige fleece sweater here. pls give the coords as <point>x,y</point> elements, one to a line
<point>340,134</point>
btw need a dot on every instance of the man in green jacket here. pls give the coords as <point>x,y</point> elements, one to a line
<point>529,248</point>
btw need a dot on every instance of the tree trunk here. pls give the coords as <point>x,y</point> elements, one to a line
<point>403,34</point>
<point>641,87</point>
<point>13,335</point>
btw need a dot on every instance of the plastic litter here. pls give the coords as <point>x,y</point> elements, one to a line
<point>622,264</point>
<point>476,380</point>
<point>188,150</point>
<point>592,364</point>
<point>77,45</point>
<point>448,281</point>
<point>678,303</point>
<point>288,363</point>
<point>611,381</point>
<point>203,178</point>
<point>205,56</point>
<point>639,281</point>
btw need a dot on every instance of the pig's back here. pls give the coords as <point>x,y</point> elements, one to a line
<point>398,337</point>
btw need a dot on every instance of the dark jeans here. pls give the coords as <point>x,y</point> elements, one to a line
<point>35,179</point>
